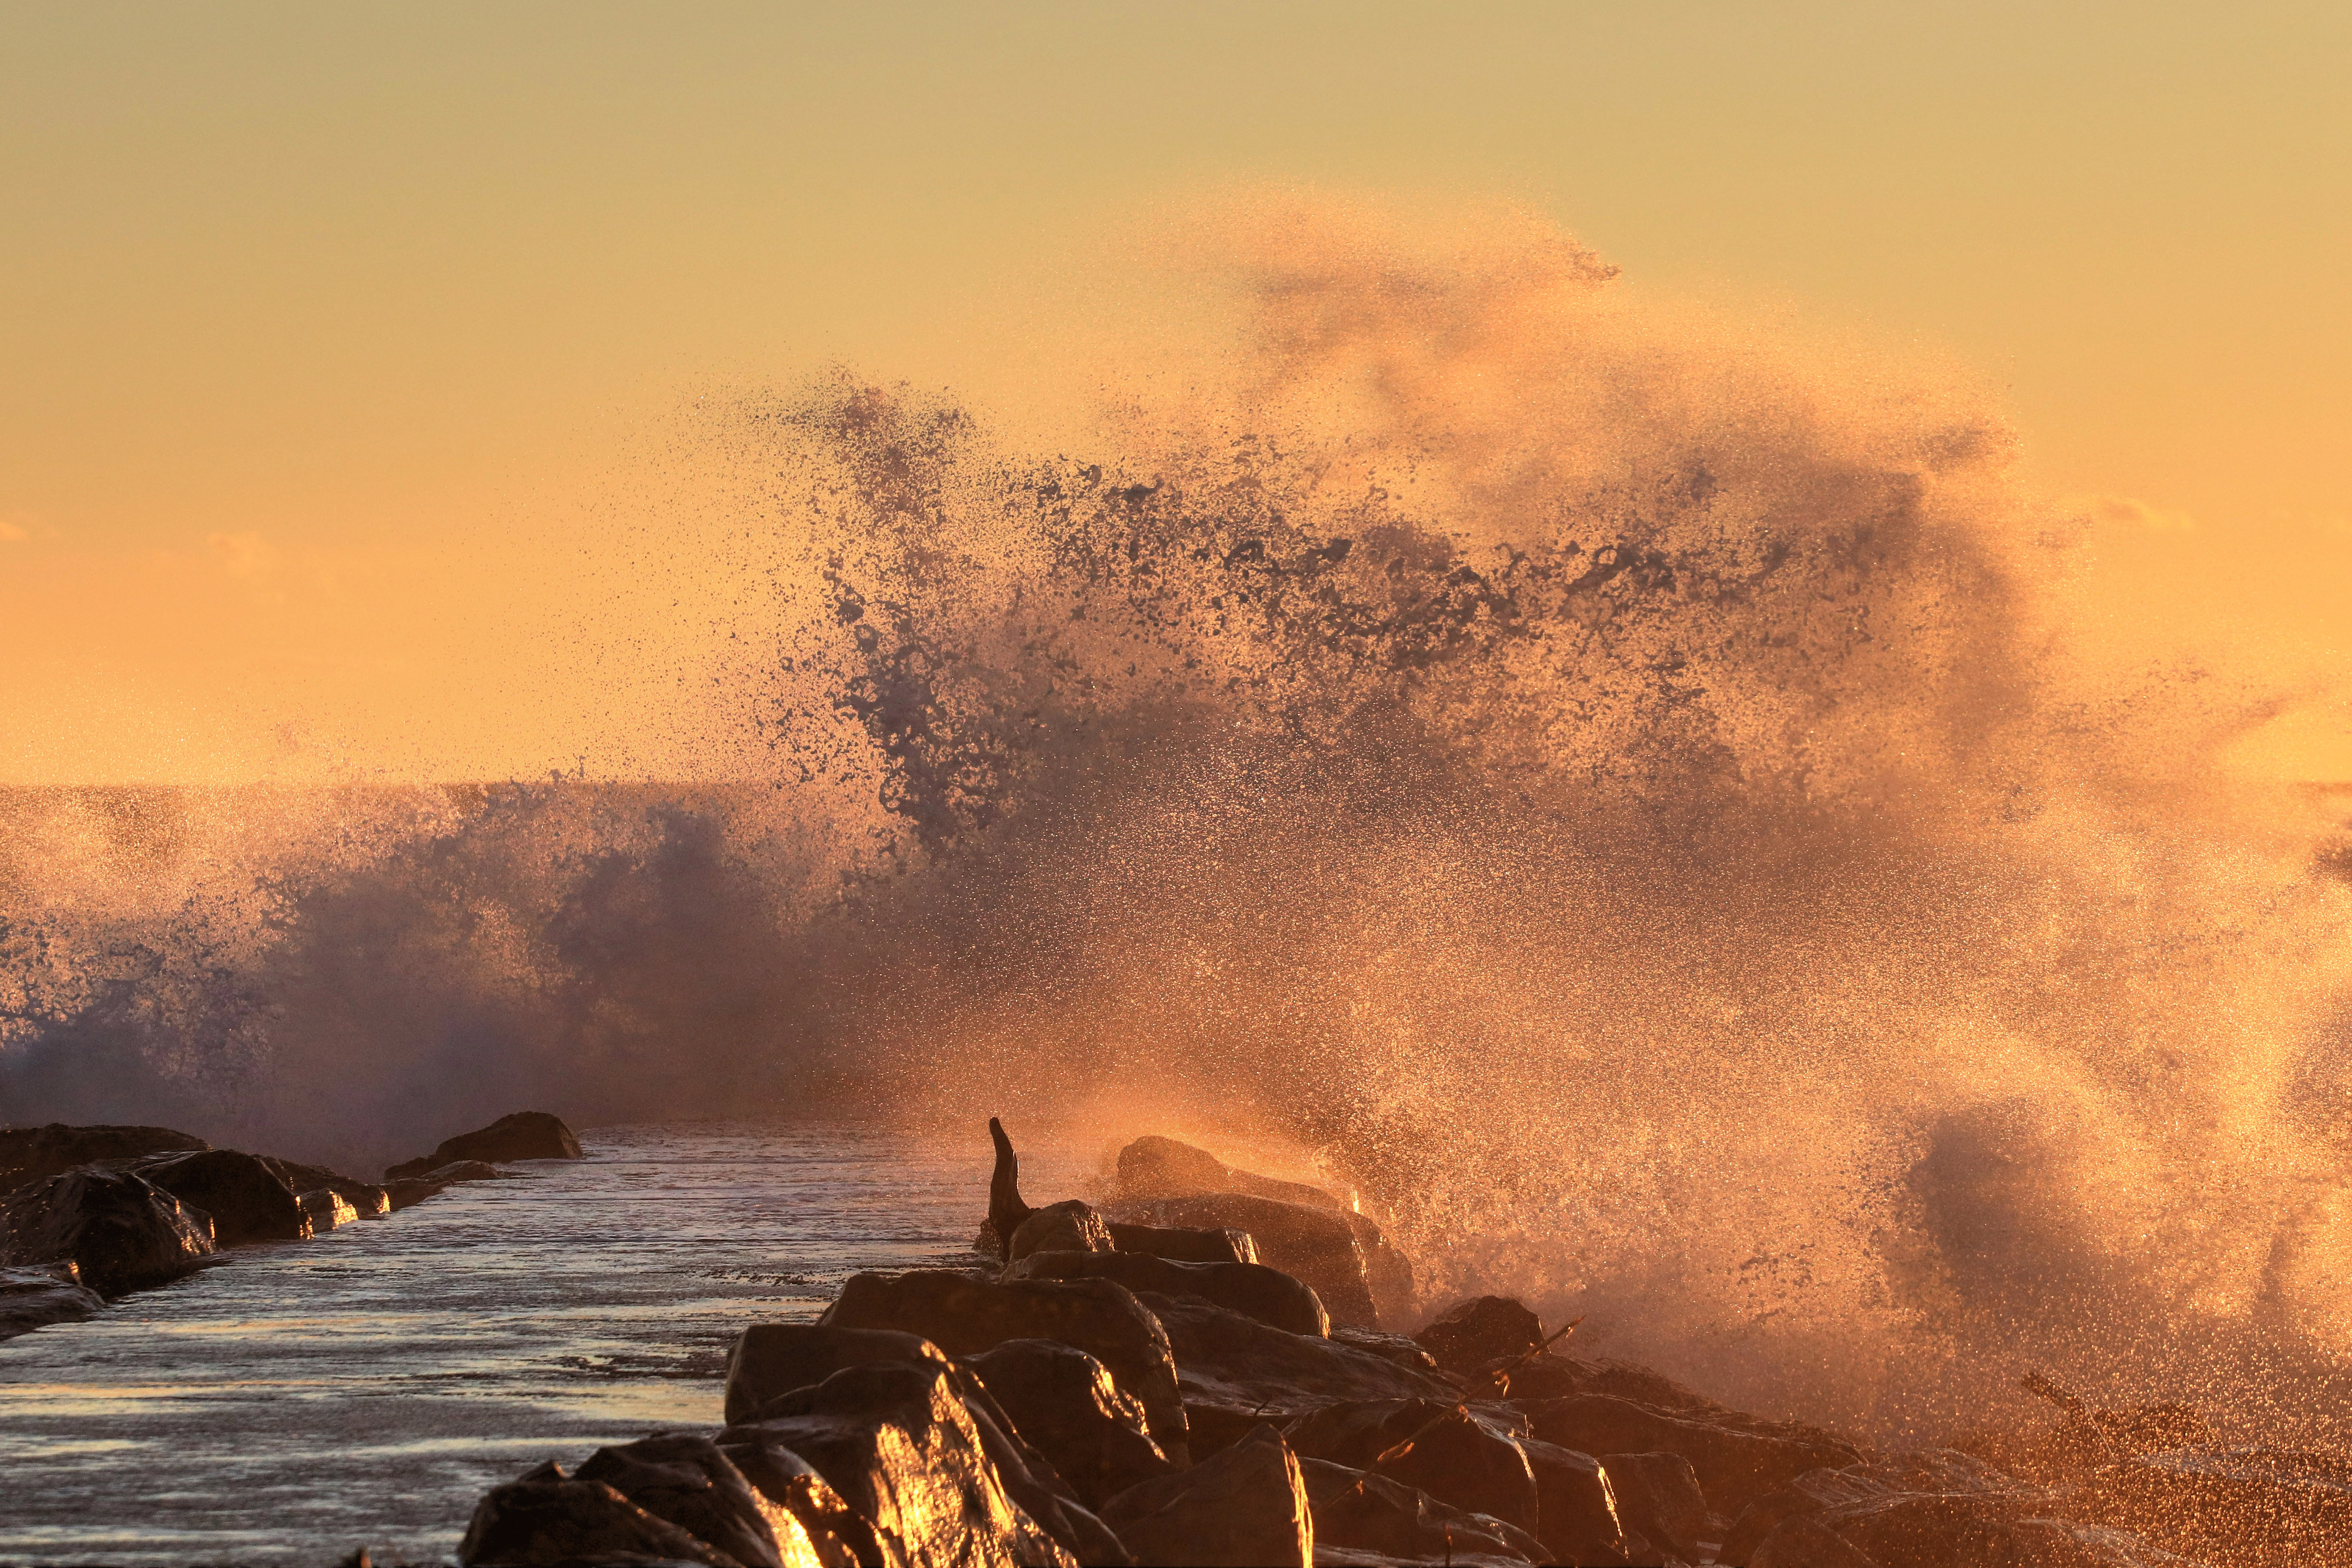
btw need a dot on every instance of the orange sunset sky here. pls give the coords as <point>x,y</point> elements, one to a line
<point>349,354</point>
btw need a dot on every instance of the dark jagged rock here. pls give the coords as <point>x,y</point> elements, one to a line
<point>965,1315</point>
<point>1266,1294</point>
<point>1397,1348</point>
<point>247,1200</point>
<point>1734,1466</point>
<point>40,1294</point>
<point>1006,1211</point>
<point>1659,1498</point>
<point>411,1190</point>
<point>1361,1511</point>
<point>1071,1227</point>
<point>1806,1542</point>
<point>121,1230</point>
<point>1553,1375</point>
<point>900,1445</point>
<point>1162,1168</point>
<point>1247,1507</point>
<point>372,1201</point>
<point>685,1478</point>
<point>1068,1405</point>
<point>523,1135</point>
<point>1318,1245</point>
<point>1452,1454</point>
<point>837,1535</point>
<point>29,1155</point>
<point>1468,1335</point>
<point>1576,1505</point>
<point>463,1171</point>
<point>2255,1506</point>
<point>326,1208</point>
<point>1182,1246</point>
<point>549,1519</point>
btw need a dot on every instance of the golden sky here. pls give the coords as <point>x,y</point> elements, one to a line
<point>330,331</point>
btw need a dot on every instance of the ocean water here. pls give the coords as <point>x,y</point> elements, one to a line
<point>303,1399</point>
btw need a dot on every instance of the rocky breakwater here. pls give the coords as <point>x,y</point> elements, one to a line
<point>90,1213</point>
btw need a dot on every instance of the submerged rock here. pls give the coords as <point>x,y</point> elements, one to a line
<point>1071,1227</point>
<point>40,1294</point>
<point>685,1478</point>
<point>1449,1451</point>
<point>1183,1246</point>
<point>29,1155</point>
<point>523,1135</point>
<point>1317,1246</point>
<point>1266,1294</point>
<point>1357,1510</point>
<point>121,1230</point>
<point>1247,1506</point>
<point>246,1199</point>
<point>1068,1405</point>
<point>1469,1334</point>
<point>548,1518</point>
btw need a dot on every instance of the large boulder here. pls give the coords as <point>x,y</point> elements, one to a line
<point>372,1201</point>
<point>327,1209</point>
<point>1266,1294</point>
<point>1397,1348</point>
<point>1157,1167</point>
<point>1468,1335</point>
<point>1072,1227</point>
<point>1734,1466</point>
<point>1576,1505</point>
<point>899,1444</point>
<point>410,1191</point>
<point>1318,1245</point>
<point>1234,1372</point>
<point>1246,1507</point>
<point>523,1135</point>
<point>682,1476</point>
<point>1361,1511</point>
<point>1182,1246</point>
<point>246,1198</point>
<point>122,1231</point>
<point>838,1534</point>
<point>30,1154</point>
<point>43,1293</point>
<point>964,1314</point>
<point>1066,1404</point>
<point>1442,1449</point>
<point>1659,1498</point>
<point>549,1518</point>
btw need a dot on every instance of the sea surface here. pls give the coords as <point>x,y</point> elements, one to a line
<point>299,1399</point>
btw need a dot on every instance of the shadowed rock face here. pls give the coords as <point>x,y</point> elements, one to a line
<point>1454,1456</point>
<point>246,1200</point>
<point>548,1518</point>
<point>1375,1513</point>
<point>1469,1334</point>
<point>1072,1227</point>
<point>684,1479</point>
<point>837,1535</point>
<point>30,1154</point>
<point>1068,1405</point>
<point>771,1359</point>
<point>1162,1167</point>
<point>1180,1245</point>
<point>1576,1505</point>
<point>1317,1246</point>
<point>523,1135</point>
<point>122,1231</point>
<point>1659,1499</point>
<point>41,1294</point>
<point>367,1197</point>
<point>1734,1467</point>
<point>1246,1507</point>
<point>1266,1294</point>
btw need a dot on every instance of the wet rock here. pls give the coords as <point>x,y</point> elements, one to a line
<point>1468,1335</point>
<point>837,1535</point>
<point>463,1171</point>
<point>1806,1542</point>
<point>40,1294</point>
<point>1066,1404</point>
<point>523,1135</point>
<point>1553,1375</point>
<point>1912,1531</point>
<point>246,1199</point>
<point>1397,1348</point>
<point>2255,1506</point>
<point>1357,1510</point>
<point>29,1155</point>
<point>1577,1518</point>
<point>326,1208</point>
<point>1163,1168</point>
<point>900,1446</point>
<point>1006,1210</point>
<point>965,1315</point>
<point>685,1478</point>
<point>1941,1471</point>
<point>1246,1506</point>
<point>372,1201</point>
<point>1658,1498</point>
<point>1266,1294</point>
<point>1318,1245</point>
<point>122,1231</point>
<point>410,1190</point>
<point>1734,1466</point>
<point>1071,1227</point>
<point>548,1518</point>
<point>1443,1448</point>
<point>1182,1246</point>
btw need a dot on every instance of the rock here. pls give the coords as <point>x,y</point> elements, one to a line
<point>1163,1168</point>
<point>1317,1246</point>
<point>1071,1227</point>
<point>1181,1246</point>
<point>524,1135</point>
<point>1805,1543</point>
<point>683,1478</point>
<point>372,1201</point>
<point>121,1230</point>
<point>838,1536</point>
<point>410,1190</point>
<point>1470,1333</point>
<point>1447,1451</point>
<point>1734,1466</point>
<point>1942,1471</point>
<point>1266,1294</point>
<point>900,1446</point>
<point>463,1171</point>
<point>548,1518</point>
<point>1552,1375</point>
<point>246,1200</point>
<point>965,1315</point>
<point>1361,1511</point>
<point>1066,1404</point>
<point>29,1154</point>
<point>40,1294</point>
<point>1388,1347</point>
<point>1916,1531</point>
<point>1247,1506</point>
<point>1006,1211</point>
<point>327,1208</point>
<point>1576,1505</point>
<point>2246,1505</point>
<point>1658,1498</point>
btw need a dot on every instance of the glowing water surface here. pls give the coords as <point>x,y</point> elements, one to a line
<point>364,1388</point>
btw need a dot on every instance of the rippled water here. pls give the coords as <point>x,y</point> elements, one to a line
<point>303,1399</point>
